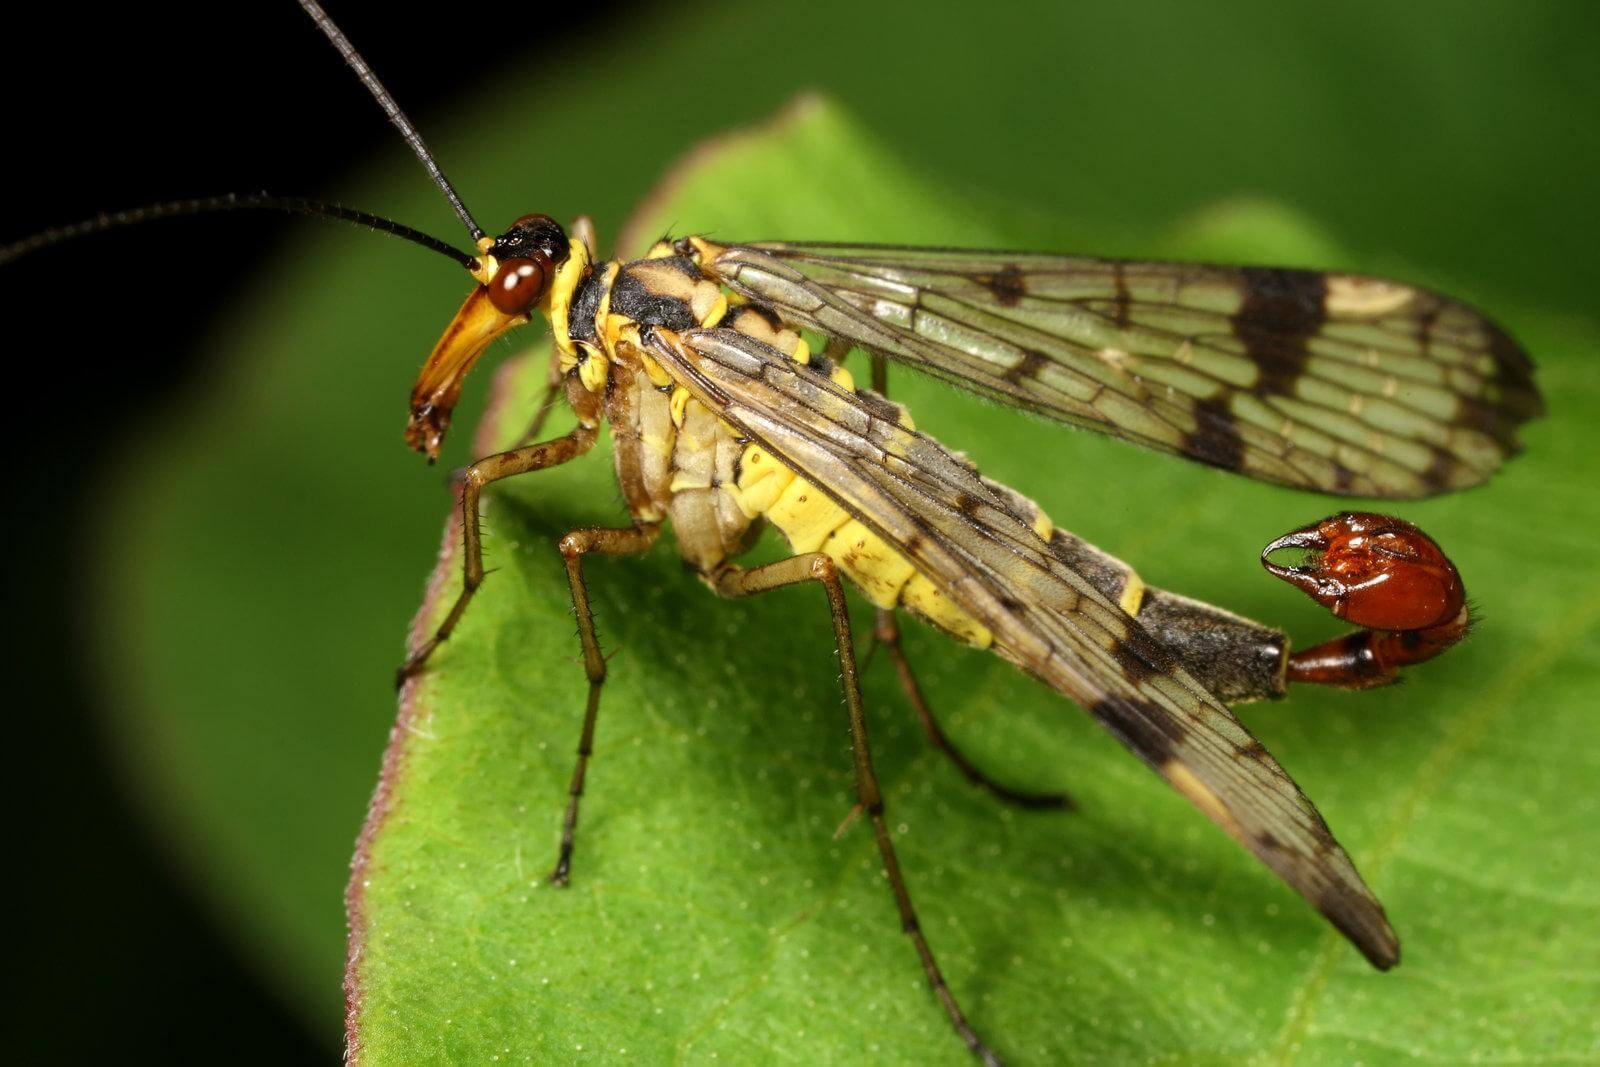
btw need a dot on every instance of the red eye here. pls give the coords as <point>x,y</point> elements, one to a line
<point>519,284</point>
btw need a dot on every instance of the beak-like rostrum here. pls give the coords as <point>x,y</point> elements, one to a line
<point>439,385</point>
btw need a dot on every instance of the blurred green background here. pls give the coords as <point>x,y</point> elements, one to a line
<point>265,545</point>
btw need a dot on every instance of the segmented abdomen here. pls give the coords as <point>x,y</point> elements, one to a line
<point>812,522</point>
<point>762,487</point>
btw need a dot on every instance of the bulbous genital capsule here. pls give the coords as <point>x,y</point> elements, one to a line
<point>1383,574</point>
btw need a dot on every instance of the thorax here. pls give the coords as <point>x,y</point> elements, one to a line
<point>675,460</point>
<point>678,462</point>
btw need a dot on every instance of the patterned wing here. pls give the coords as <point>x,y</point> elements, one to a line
<point>1333,382</point>
<point>973,538</point>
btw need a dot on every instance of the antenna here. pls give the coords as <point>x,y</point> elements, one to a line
<point>392,109</point>
<point>229,202</point>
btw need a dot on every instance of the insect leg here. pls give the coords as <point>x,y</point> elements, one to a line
<point>886,634</point>
<point>818,567</point>
<point>486,470</point>
<point>609,542</point>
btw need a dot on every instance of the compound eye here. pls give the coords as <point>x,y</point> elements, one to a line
<point>520,284</point>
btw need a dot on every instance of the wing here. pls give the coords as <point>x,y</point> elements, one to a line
<point>975,541</point>
<point>1334,382</point>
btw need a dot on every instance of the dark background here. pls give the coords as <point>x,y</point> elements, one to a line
<point>107,930</point>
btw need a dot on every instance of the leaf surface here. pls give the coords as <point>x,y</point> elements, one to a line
<point>713,914</point>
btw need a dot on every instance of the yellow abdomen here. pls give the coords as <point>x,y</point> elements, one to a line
<point>812,522</point>
<point>759,486</point>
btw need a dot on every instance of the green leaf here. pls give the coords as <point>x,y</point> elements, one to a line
<point>713,914</point>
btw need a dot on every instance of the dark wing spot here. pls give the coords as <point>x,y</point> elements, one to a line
<point>1362,920</point>
<point>1008,284</point>
<point>1441,472</point>
<point>1123,300</point>
<point>1252,750</point>
<point>1215,438</point>
<point>1141,657</point>
<point>1517,399</point>
<point>968,505</point>
<point>1488,419</point>
<point>881,409</point>
<point>1425,323</point>
<point>1282,310</point>
<point>1147,730</point>
<point>1508,355</point>
<point>1028,367</point>
<point>1518,394</point>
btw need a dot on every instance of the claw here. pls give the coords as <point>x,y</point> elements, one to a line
<point>1374,570</point>
<point>1382,574</point>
